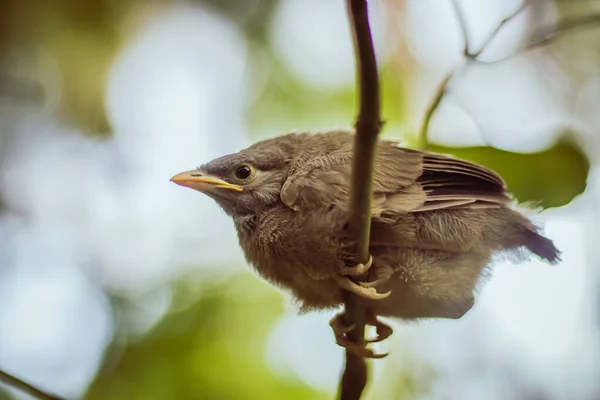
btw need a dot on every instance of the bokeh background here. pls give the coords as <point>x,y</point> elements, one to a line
<point>116,284</point>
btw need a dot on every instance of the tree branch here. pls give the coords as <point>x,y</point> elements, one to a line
<point>431,109</point>
<point>462,22</point>
<point>368,125</point>
<point>545,36</point>
<point>541,38</point>
<point>25,387</point>
<point>469,56</point>
<point>501,25</point>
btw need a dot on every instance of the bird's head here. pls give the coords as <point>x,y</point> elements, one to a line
<point>246,182</point>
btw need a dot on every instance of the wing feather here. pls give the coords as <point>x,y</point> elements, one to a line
<point>324,182</point>
<point>405,180</point>
<point>453,183</point>
<point>442,163</point>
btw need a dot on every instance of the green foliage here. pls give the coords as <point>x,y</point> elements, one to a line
<point>211,349</point>
<point>550,178</point>
<point>80,40</point>
<point>5,395</point>
<point>286,103</point>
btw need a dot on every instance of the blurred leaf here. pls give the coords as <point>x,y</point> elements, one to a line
<point>285,102</point>
<point>83,37</point>
<point>5,394</point>
<point>213,349</point>
<point>393,98</point>
<point>80,38</point>
<point>551,178</point>
<point>83,59</point>
<point>252,16</point>
<point>410,379</point>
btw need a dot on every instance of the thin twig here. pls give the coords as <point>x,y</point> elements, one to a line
<point>462,22</point>
<point>542,38</point>
<point>546,36</point>
<point>499,27</point>
<point>368,125</point>
<point>25,387</point>
<point>469,56</point>
<point>433,106</point>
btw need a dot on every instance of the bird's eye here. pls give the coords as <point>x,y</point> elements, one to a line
<point>243,172</point>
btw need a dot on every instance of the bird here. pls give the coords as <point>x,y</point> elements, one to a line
<point>437,225</point>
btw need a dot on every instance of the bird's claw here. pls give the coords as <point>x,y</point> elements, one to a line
<point>369,293</point>
<point>373,284</point>
<point>383,330</point>
<point>378,275</point>
<point>363,289</point>
<point>340,330</point>
<point>357,270</point>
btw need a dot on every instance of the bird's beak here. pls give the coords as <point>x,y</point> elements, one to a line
<point>203,183</point>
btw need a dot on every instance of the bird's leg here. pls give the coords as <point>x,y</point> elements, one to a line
<point>365,292</point>
<point>340,329</point>
<point>356,270</point>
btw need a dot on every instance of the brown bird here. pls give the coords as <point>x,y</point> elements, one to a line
<point>437,221</point>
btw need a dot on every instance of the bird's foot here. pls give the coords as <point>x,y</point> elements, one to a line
<point>378,275</point>
<point>357,270</point>
<point>383,330</point>
<point>366,290</point>
<point>340,330</point>
<point>369,293</point>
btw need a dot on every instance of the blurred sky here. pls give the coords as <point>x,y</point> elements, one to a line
<point>94,218</point>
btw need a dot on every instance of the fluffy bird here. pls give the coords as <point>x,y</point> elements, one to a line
<point>436,223</point>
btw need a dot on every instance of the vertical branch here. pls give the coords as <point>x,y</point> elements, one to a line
<point>368,125</point>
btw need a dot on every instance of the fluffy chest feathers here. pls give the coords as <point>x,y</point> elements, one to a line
<point>294,251</point>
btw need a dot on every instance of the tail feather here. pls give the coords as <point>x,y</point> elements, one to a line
<point>541,246</point>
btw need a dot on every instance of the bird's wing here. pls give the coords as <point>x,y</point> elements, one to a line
<point>449,182</point>
<point>324,182</point>
<point>404,180</point>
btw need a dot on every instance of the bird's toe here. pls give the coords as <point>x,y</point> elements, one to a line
<point>357,270</point>
<point>340,330</point>
<point>365,292</point>
<point>383,330</point>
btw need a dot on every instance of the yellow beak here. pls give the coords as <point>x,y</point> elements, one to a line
<point>203,183</point>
